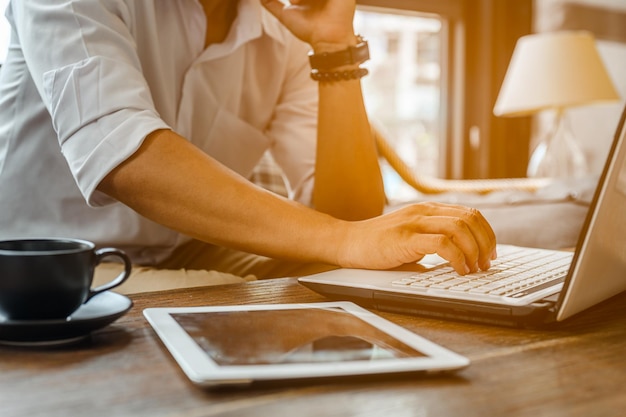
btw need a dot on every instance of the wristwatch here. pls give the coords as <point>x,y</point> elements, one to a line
<point>353,55</point>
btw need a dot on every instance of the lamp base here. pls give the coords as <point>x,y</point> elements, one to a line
<point>558,156</point>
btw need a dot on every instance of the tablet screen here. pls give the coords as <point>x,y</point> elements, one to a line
<point>243,344</point>
<point>287,336</point>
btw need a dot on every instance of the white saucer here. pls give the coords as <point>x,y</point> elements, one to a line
<point>98,312</point>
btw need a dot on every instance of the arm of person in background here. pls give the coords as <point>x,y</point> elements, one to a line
<point>348,182</point>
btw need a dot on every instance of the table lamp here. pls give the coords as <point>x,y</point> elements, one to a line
<point>555,71</point>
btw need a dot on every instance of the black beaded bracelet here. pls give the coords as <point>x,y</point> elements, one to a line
<point>332,76</point>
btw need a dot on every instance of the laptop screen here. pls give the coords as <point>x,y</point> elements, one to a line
<point>599,265</point>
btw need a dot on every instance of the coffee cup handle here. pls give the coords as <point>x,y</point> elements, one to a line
<point>119,280</point>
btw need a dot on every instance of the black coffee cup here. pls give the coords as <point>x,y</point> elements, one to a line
<point>50,278</point>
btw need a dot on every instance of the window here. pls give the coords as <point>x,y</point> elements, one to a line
<point>403,92</point>
<point>460,53</point>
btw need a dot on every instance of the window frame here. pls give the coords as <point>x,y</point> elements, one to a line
<point>478,38</point>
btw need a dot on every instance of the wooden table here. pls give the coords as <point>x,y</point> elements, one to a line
<point>123,370</point>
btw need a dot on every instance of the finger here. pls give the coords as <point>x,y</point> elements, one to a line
<point>475,216</point>
<point>443,246</point>
<point>486,238</point>
<point>457,230</point>
<point>477,224</point>
<point>483,234</point>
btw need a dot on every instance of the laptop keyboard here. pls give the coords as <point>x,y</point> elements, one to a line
<point>513,274</point>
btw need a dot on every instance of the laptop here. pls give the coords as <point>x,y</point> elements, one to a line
<point>550,285</point>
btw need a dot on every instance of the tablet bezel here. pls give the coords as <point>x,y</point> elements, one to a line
<point>201,369</point>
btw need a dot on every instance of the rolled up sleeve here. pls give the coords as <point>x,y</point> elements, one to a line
<point>100,120</point>
<point>91,82</point>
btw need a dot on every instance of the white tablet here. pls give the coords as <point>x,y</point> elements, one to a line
<point>244,344</point>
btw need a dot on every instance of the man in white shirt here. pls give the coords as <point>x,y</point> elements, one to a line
<point>133,123</point>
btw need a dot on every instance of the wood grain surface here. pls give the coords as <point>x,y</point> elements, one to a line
<point>577,369</point>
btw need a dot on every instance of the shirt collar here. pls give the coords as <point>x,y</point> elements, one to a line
<point>272,27</point>
<point>251,23</point>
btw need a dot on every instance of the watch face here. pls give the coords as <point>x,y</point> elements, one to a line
<point>361,52</point>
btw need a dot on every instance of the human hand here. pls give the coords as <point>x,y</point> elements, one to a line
<point>324,24</point>
<point>458,234</point>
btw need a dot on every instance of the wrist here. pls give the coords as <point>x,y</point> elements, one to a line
<point>337,55</point>
<point>320,47</point>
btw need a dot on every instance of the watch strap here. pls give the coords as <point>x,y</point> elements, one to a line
<point>353,55</point>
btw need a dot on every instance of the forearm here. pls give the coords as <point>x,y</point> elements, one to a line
<point>348,183</point>
<point>173,183</point>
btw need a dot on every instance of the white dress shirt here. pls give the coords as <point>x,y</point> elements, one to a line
<point>85,81</point>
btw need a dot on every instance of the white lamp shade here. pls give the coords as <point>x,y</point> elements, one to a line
<point>554,70</point>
